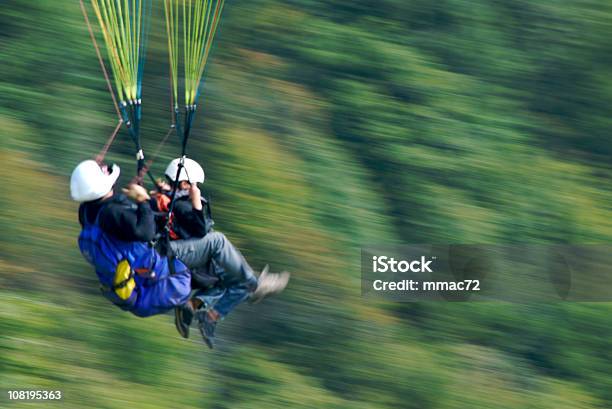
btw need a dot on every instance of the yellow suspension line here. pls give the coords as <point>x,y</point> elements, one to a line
<point>200,20</point>
<point>121,27</point>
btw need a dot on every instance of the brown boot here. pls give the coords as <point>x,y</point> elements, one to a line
<point>269,284</point>
<point>183,316</point>
<point>207,324</point>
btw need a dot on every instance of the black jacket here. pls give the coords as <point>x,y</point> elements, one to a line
<point>188,223</point>
<point>121,218</point>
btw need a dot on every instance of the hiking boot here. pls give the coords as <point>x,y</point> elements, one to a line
<point>183,316</point>
<point>269,284</point>
<point>207,324</point>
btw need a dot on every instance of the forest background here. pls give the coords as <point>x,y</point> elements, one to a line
<point>324,126</point>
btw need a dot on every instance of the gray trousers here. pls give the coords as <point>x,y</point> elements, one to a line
<point>215,253</point>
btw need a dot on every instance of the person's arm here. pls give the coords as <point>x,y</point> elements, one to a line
<point>190,219</point>
<point>127,221</point>
<point>196,197</point>
<point>140,224</point>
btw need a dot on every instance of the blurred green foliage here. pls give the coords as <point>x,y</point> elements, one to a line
<point>325,126</point>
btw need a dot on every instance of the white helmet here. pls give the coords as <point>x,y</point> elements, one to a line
<point>88,181</point>
<point>192,172</point>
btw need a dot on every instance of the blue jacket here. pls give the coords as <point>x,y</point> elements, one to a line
<point>155,289</point>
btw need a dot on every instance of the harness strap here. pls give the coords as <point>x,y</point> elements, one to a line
<point>162,245</point>
<point>123,283</point>
<point>208,205</point>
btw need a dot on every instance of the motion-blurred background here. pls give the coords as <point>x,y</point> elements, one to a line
<point>325,126</point>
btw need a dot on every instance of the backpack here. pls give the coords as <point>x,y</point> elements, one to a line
<point>133,275</point>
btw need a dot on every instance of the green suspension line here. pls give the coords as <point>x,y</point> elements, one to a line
<point>124,26</point>
<point>200,20</point>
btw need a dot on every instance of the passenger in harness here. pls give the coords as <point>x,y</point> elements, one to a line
<point>219,289</point>
<point>192,215</point>
<point>117,230</point>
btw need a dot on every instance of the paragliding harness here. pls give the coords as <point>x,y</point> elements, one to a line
<point>115,262</point>
<point>162,245</point>
<point>162,201</point>
<point>132,274</point>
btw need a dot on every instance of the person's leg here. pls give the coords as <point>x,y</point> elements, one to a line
<point>216,303</point>
<point>223,300</point>
<point>237,281</point>
<point>231,299</point>
<point>230,266</point>
<point>209,298</point>
<point>215,254</point>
